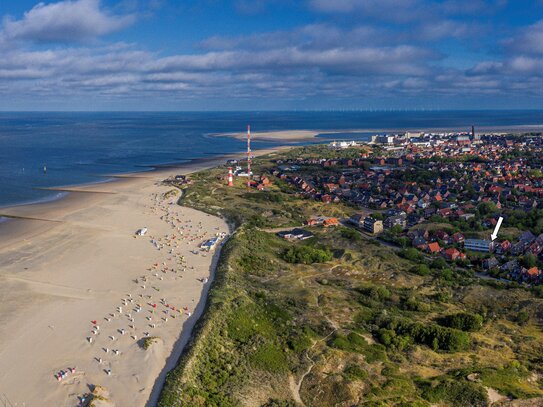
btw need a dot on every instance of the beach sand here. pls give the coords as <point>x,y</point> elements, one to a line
<point>65,269</point>
<point>284,136</point>
<point>306,135</point>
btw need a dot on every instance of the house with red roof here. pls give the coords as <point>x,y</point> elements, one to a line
<point>453,254</point>
<point>434,248</point>
<point>533,274</point>
<point>330,222</point>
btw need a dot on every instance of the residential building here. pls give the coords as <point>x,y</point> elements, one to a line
<point>434,248</point>
<point>357,220</point>
<point>490,263</point>
<point>479,245</point>
<point>330,222</point>
<point>295,234</point>
<point>452,254</point>
<point>373,225</point>
<point>399,220</point>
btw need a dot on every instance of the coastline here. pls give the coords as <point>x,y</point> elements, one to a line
<point>294,136</point>
<point>30,221</point>
<point>42,246</point>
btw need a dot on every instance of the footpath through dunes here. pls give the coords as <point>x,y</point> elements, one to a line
<point>80,294</point>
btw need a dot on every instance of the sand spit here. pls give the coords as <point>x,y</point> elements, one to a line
<point>291,135</point>
<point>307,135</point>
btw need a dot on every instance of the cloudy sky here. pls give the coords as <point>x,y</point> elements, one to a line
<point>270,54</point>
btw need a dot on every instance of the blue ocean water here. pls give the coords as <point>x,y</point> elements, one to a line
<point>83,147</point>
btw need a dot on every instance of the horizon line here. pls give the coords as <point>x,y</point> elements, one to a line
<point>282,111</point>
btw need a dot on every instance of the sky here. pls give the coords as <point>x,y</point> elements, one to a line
<point>170,55</point>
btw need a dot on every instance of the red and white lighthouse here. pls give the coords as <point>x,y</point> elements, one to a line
<point>230,177</point>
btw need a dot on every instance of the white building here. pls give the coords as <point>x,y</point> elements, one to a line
<point>342,144</point>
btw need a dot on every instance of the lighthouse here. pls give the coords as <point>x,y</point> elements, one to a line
<point>230,177</point>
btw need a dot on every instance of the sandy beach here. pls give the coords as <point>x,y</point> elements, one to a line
<point>306,135</point>
<point>286,136</point>
<point>79,291</point>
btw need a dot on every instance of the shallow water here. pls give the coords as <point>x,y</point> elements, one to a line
<point>84,147</point>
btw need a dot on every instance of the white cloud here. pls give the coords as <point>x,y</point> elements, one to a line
<point>65,21</point>
<point>529,41</point>
<point>392,10</point>
<point>324,61</point>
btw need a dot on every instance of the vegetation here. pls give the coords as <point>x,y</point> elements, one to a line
<point>307,255</point>
<point>432,335</point>
<point>148,341</point>
<point>458,393</point>
<point>463,320</point>
<point>345,319</point>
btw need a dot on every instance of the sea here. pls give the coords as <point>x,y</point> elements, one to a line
<point>40,150</point>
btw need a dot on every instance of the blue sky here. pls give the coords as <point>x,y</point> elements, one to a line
<point>271,54</point>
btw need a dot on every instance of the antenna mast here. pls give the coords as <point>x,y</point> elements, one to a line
<point>249,156</point>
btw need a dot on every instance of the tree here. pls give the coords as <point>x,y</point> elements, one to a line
<point>440,263</point>
<point>421,270</point>
<point>487,208</point>
<point>529,260</point>
<point>411,254</point>
<point>377,216</point>
<point>403,242</point>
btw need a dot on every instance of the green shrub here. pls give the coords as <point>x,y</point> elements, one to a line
<point>457,393</point>
<point>375,353</point>
<point>412,254</point>
<point>364,315</point>
<point>353,342</point>
<point>538,291</point>
<point>421,270</point>
<point>463,321</point>
<point>375,292</point>
<point>300,341</point>
<point>355,372</point>
<point>280,403</point>
<point>307,255</point>
<point>389,338</point>
<point>350,234</point>
<point>442,296</point>
<point>432,335</point>
<point>446,274</point>
<point>148,341</point>
<point>247,321</point>
<point>439,264</point>
<point>269,357</point>
<point>413,304</point>
<point>522,317</point>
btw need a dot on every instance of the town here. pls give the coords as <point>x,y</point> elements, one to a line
<point>441,194</point>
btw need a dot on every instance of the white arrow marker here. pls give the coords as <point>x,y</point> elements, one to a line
<point>496,229</point>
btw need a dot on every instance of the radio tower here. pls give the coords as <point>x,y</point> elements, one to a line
<point>248,156</point>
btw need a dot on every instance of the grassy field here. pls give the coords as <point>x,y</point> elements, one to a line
<point>359,329</point>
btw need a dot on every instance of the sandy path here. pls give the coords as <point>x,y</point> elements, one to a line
<point>58,277</point>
